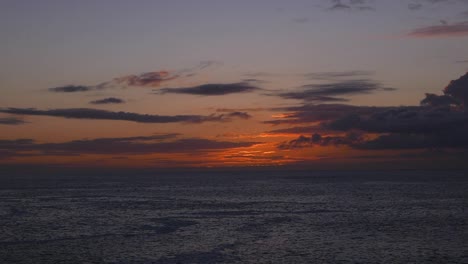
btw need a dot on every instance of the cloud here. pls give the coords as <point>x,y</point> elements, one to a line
<point>405,119</point>
<point>315,113</point>
<point>147,79</point>
<point>443,30</point>
<point>458,89</point>
<point>333,76</point>
<point>119,146</point>
<point>455,139</point>
<point>441,122</point>
<point>212,89</point>
<point>327,92</point>
<point>71,89</point>
<point>256,109</point>
<point>241,115</point>
<point>109,100</point>
<point>358,5</point>
<point>438,100</point>
<point>296,130</point>
<point>89,113</point>
<point>317,139</point>
<point>151,79</point>
<point>11,121</point>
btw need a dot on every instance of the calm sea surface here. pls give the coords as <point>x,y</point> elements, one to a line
<point>236,217</point>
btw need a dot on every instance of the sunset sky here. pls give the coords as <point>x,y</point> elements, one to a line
<point>214,83</point>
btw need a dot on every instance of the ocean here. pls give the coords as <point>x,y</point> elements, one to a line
<point>262,216</point>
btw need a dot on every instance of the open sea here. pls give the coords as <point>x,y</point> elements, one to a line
<point>235,217</point>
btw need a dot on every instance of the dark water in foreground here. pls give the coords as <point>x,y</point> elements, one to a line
<point>236,217</point>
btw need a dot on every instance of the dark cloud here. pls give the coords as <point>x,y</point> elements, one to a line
<point>88,113</point>
<point>71,89</point>
<point>448,30</point>
<point>241,115</point>
<point>259,74</point>
<point>419,120</point>
<point>458,89</point>
<point>242,109</point>
<point>438,100</point>
<point>297,130</point>
<point>333,76</point>
<point>315,113</point>
<point>461,61</point>
<point>147,79</point>
<point>359,5</point>
<point>339,6</point>
<point>109,100</point>
<point>119,146</point>
<point>441,122</point>
<point>317,139</point>
<point>11,121</point>
<point>212,89</point>
<point>455,139</point>
<point>328,92</point>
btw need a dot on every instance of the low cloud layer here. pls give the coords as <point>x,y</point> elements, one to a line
<point>212,89</point>
<point>89,113</point>
<point>122,146</point>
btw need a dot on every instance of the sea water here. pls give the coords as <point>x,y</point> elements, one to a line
<point>235,217</point>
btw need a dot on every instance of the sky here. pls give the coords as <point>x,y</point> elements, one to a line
<point>214,83</point>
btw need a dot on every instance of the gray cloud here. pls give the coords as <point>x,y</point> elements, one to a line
<point>359,5</point>
<point>315,113</point>
<point>71,89</point>
<point>458,89</point>
<point>327,92</point>
<point>297,130</point>
<point>147,79</point>
<point>419,120</point>
<point>334,76</point>
<point>89,113</point>
<point>118,146</point>
<point>443,30</point>
<point>109,100</point>
<point>438,100</point>
<point>212,89</point>
<point>11,121</point>
<point>317,139</point>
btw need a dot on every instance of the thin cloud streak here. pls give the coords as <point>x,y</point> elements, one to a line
<point>122,146</point>
<point>109,100</point>
<point>211,89</point>
<point>11,121</point>
<point>97,114</point>
<point>448,30</point>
